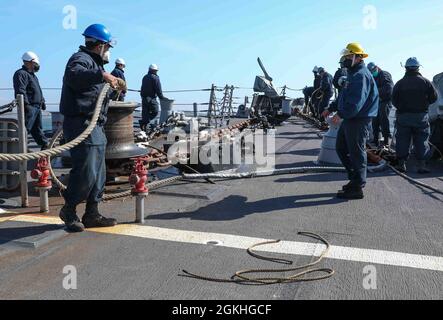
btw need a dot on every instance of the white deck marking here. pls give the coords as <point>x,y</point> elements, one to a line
<point>369,256</point>
<point>3,211</point>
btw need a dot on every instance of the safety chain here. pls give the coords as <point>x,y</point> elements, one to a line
<point>157,130</point>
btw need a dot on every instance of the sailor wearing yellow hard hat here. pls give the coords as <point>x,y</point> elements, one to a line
<point>357,106</point>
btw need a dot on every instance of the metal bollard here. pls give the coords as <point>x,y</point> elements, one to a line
<point>44,199</point>
<point>138,180</point>
<point>140,208</point>
<point>43,184</point>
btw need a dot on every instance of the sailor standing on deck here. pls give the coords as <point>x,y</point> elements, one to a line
<point>83,81</point>
<point>412,97</point>
<point>308,91</point>
<point>119,72</point>
<point>357,105</point>
<point>27,84</point>
<point>339,75</point>
<point>151,89</point>
<point>327,91</point>
<point>385,85</point>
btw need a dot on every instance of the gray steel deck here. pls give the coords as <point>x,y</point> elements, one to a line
<point>395,216</point>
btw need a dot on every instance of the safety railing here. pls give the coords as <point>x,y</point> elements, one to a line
<point>19,104</point>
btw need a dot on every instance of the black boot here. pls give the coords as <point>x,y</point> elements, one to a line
<point>401,166</point>
<point>422,168</point>
<point>351,193</point>
<point>348,186</point>
<point>69,217</point>
<point>93,219</point>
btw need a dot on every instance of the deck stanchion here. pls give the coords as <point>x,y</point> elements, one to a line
<point>195,110</point>
<point>22,136</point>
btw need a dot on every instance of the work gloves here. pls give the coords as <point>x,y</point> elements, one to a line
<point>121,85</point>
<point>342,81</point>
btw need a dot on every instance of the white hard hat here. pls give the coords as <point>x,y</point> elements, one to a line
<point>153,67</point>
<point>413,63</point>
<point>120,61</point>
<point>31,56</point>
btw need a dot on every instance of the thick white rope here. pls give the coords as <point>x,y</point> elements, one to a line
<point>67,146</point>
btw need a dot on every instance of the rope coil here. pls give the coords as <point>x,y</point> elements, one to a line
<point>240,276</point>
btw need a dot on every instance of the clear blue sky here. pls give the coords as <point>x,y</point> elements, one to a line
<point>199,42</point>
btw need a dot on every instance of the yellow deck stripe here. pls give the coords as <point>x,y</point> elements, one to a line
<point>370,256</point>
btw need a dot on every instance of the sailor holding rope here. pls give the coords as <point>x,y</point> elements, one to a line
<point>83,81</point>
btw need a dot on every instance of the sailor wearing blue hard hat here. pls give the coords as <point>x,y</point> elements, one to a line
<point>83,80</point>
<point>412,97</point>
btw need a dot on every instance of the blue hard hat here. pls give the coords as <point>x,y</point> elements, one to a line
<point>412,63</point>
<point>372,66</point>
<point>99,32</point>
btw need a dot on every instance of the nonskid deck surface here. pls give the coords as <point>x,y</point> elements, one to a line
<point>394,236</point>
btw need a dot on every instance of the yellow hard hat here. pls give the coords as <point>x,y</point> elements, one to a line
<point>354,48</point>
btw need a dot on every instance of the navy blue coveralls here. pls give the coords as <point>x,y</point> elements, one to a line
<point>341,72</point>
<point>314,100</point>
<point>357,105</point>
<point>27,84</point>
<point>118,73</point>
<point>82,83</point>
<point>151,89</point>
<point>307,92</point>
<point>412,96</point>
<point>327,90</point>
<point>385,86</point>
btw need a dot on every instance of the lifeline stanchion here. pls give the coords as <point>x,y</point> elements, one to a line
<point>140,191</point>
<point>195,110</point>
<point>42,173</point>
<point>23,143</point>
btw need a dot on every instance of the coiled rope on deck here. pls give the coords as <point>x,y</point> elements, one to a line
<point>240,276</point>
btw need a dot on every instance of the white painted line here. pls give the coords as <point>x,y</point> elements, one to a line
<point>369,256</point>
